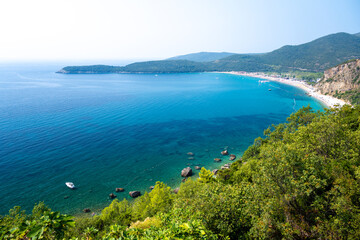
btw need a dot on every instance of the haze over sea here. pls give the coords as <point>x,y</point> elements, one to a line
<point>123,130</point>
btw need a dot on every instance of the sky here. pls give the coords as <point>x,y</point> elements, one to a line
<point>158,29</point>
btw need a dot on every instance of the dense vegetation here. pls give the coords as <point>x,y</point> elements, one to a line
<point>202,56</point>
<point>314,56</point>
<point>300,181</point>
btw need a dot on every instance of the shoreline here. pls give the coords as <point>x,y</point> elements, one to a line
<point>329,101</point>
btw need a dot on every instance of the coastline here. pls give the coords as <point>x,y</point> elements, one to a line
<point>329,101</point>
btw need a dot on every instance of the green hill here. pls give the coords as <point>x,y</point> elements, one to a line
<point>315,56</point>
<point>202,56</point>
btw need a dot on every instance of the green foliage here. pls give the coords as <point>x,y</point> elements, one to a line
<point>117,212</point>
<point>158,200</point>
<point>52,225</point>
<point>305,182</point>
<point>205,176</point>
<point>221,207</point>
<point>352,95</point>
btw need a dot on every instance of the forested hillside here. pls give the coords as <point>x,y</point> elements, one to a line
<point>202,56</point>
<point>315,56</point>
<point>300,181</point>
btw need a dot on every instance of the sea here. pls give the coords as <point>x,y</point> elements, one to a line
<point>107,131</point>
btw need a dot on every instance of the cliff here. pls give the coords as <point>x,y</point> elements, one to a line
<point>342,81</point>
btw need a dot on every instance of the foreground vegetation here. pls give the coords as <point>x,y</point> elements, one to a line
<point>300,181</point>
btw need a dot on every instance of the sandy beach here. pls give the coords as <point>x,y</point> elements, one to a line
<point>329,101</point>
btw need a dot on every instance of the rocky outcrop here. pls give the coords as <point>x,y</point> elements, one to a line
<point>112,196</point>
<point>197,167</point>
<point>134,194</point>
<point>217,159</point>
<point>119,189</point>
<point>176,190</point>
<point>86,210</point>
<point>186,172</point>
<point>342,81</point>
<point>225,152</point>
<point>226,166</point>
<point>232,157</point>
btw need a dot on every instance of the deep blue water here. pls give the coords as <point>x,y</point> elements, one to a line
<point>123,130</point>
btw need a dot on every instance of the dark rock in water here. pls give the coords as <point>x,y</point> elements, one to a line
<point>86,210</point>
<point>190,154</point>
<point>119,189</point>
<point>197,167</point>
<point>217,159</point>
<point>232,157</point>
<point>66,197</point>
<point>176,190</point>
<point>226,166</point>
<point>225,152</point>
<point>134,194</point>
<point>112,196</point>
<point>186,172</point>
<point>151,187</point>
<point>183,180</point>
<point>215,171</point>
<point>191,158</point>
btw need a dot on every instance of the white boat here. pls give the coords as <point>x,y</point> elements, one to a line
<point>70,185</point>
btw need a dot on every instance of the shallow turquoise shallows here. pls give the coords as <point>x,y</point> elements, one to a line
<point>103,132</point>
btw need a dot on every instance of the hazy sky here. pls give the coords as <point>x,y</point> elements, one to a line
<point>155,29</point>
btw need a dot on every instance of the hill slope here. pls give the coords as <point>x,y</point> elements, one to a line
<point>342,81</point>
<point>314,56</point>
<point>202,56</point>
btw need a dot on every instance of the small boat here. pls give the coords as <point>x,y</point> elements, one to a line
<point>70,185</point>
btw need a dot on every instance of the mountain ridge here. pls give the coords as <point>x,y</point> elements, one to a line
<point>314,56</point>
<point>202,56</point>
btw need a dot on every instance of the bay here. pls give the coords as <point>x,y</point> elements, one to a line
<point>103,131</point>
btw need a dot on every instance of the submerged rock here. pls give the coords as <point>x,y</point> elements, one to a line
<point>186,172</point>
<point>134,194</point>
<point>112,196</point>
<point>86,210</point>
<point>197,167</point>
<point>225,152</point>
<point>191,158</point>
<point>232,157</point>
<point>190,154</point>
<point>217,159</point>
<point>119,189</point>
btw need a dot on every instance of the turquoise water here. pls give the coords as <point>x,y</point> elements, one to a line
<point>123,130</point>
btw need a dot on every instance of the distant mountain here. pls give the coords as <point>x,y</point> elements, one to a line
<point>357,34</point>
<point>315,56</point>
<point>202,56</point>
